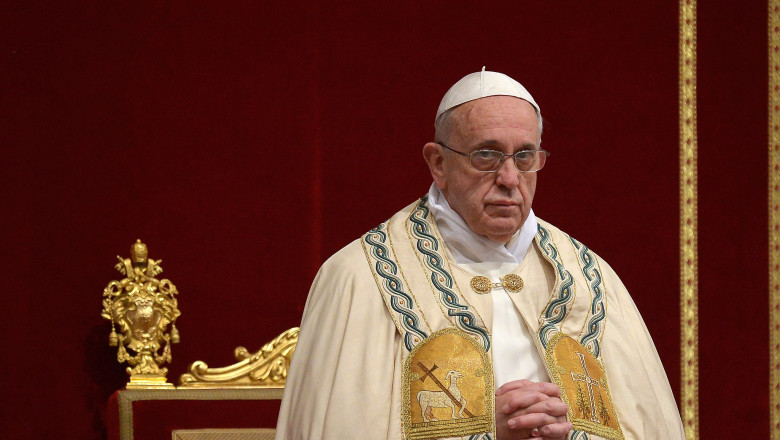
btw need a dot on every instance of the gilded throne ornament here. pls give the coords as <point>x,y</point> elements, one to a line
<point>142,307</point>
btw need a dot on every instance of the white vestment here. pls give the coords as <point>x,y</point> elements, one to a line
<point>376,303</point>
<point>514,356</point>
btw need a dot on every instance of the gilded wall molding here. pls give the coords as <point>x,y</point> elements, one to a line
<point>774,216</point>
<point>689,322</point>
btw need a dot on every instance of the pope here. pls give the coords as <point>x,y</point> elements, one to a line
<point>466,316</point>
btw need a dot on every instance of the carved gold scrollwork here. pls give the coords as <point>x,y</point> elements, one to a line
<point>267,368</point>
<point>143,311</point>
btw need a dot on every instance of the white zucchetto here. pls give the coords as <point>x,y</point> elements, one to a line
<point>480,85</point>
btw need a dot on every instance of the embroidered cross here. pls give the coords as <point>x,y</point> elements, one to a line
<point>589,382</point>
<point>429,373</point>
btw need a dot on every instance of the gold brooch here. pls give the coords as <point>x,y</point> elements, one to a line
<point>510,282</point>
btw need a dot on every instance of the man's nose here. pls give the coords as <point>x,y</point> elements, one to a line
<point>508,174</point>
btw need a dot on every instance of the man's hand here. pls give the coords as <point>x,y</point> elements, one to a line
<point>530,410</point>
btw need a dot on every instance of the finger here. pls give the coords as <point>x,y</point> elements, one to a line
<point>532,421</point>
<point>520,400</point>
<point>551,406</point>
<point>513,385</point>
<point>547,388</point>
<point>555,430</point>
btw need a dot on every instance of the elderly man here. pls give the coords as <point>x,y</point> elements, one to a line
<point>465,316</point>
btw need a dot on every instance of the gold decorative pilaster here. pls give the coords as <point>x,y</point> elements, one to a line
<point>689,322</point>
<point>774,217</point>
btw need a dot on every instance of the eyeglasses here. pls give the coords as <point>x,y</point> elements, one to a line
<point>489,161</point>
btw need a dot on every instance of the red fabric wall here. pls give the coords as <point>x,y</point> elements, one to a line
<point>245,142</point>
<point>733,229</point>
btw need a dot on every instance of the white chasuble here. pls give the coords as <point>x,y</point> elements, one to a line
<point>395,344</point>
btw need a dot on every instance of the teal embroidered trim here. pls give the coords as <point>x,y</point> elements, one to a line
<point>595,326</point>
<point>578,435</point>
<point>557,309</point>
<point>428,246</point>
<point>399,300</point>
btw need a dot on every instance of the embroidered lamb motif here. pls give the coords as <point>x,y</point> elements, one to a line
<point>440,399</point>
<point>445,371</point>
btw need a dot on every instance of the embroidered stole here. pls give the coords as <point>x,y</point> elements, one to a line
<point>447,381</point>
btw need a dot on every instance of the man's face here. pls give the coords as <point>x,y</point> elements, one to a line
<point>493,204</point>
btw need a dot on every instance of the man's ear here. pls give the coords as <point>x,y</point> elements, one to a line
<point>434,157</point>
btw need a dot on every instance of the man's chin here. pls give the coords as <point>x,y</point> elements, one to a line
<point>502,233</point>
<point>498,210</point>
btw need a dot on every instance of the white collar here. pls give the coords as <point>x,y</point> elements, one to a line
<point>468,247</point>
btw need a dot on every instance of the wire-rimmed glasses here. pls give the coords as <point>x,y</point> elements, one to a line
<point>489,161</point>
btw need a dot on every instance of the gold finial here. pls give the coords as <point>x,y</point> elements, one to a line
<point>142,307</point>
<point>138,252</point>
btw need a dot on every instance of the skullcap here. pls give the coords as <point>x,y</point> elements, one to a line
<point>480,85</point>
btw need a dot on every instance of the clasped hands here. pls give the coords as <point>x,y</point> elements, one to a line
<point>530,410</point>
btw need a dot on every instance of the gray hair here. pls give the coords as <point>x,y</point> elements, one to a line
<point>444,124</point>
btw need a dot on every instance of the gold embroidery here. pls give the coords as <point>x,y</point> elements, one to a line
<point>584,387</point>
<point>447,386</point>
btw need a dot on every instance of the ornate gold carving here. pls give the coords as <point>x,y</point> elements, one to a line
<point>142,307</point>
<point>266,368</point>
<point>689,357</point>
<point>774,217</point>
<point>510,282</point>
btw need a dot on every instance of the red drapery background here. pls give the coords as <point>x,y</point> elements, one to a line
<point>245,142</point>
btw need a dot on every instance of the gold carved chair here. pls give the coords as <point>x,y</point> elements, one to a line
<point>237,402</point>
